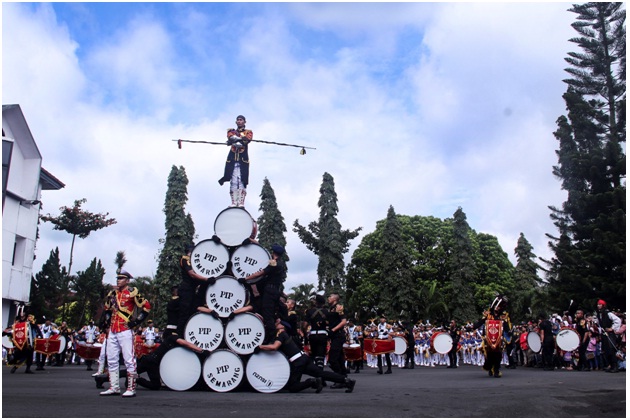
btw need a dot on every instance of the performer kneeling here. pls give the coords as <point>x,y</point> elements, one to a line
<point>302,364</point>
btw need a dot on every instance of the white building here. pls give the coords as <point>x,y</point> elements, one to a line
<point>23,180</point>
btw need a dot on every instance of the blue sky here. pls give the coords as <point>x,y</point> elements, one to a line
<point>422,106</point>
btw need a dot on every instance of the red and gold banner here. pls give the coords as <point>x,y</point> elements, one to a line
<point>47,346</point>
<point>494,333</point>
<point>20,334</point>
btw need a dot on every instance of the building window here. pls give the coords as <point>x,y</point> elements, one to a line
<point>19,248</point>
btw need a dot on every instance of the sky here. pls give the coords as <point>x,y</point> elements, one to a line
<point>426,107</point>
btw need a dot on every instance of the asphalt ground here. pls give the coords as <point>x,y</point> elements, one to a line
<point>468,392</point>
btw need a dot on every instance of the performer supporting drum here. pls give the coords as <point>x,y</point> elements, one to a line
<point>120,305</point>
<point>318,335</point>
<point>237,163</point>
<point>302,364</point>
<point>188,301</point>
<point>336,322</point>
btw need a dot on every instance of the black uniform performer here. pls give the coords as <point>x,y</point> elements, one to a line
<point>172,313</point>
<point>318,335</point>
<point>337,320</point>
<point>548,342</point>
<point>583,331</point>
<point>302,364</point>
<point>274,275</point>
<point>23,355</point>
<point>452,354</point>
<point>187,291</point>
<point>411,346</point>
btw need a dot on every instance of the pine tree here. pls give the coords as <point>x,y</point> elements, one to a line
<point>462,269</point>
<point>399,289</point>
<point>527,283</point>
<point>180,232</point>
<point>271,226</point>
<point>327,240</point>
<point>88,287</point>
<point>589,251</point>
<point>46,287</point>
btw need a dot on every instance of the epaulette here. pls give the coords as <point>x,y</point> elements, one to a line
<point>273,263</point>
<point>133,291</point>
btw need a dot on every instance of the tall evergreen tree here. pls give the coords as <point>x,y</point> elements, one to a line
<point>271,226</point>
<point>180,231</point>
<point>326,239</point>
<point>589,251</point>
<point>462,270</point>
<point>527,283</point>
<point>399,296</point>
<point>46,287</point>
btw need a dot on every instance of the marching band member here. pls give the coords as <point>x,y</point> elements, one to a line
<point>237,163</point>
<point>384,332</point>
<point>149,334</point>
<point>120,304</point>
<point>47,330</point>
<point>318,335</point>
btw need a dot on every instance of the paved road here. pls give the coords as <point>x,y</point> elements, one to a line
<point>71,392</point>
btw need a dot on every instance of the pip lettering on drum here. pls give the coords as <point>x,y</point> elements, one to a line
<point>244,333</point>
<point>209,258</point>
<point>223,371</point>
<point>225,296</point>
<point>249,259</point>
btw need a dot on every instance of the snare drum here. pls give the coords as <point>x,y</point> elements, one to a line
<point>204,331</point>
<point>47,346</point>
<point>249,259</point>
<point>533,341</point>
<point>268,371</point>
<point>180,369</point>
<point>377,346</point>
<point>223,370</point>
<point>352,352</point>
<point>233,225</point>
<point>226,295</point>
<point>441,342</point>
<point>244,333</point>
<point>209,259</point>
<point>88,351</point>
<point>567,339</point>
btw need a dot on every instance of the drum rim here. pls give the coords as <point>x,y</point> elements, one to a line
<point>445,335</point>
<point>229,342</point>
<point>572,333</point>
<point>225,259</point>
<point>267,354</point>
<point>537,343</point>
<point>228,209</point>
<point>239,287</point>
<point>213,319</point>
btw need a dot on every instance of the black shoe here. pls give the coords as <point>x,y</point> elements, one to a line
<point>497,374</point>
<point>89,368</point>
<point>13,369</point>
<point>319,385</point>
<point>449,367</point>
<point>29,371</point>
<point>615,370</point>
<point>39,368</point>
<point>380,371</point>
<point>388,371</point>
<point>350,385</point>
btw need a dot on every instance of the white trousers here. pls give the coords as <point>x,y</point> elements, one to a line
<point>117,343</point>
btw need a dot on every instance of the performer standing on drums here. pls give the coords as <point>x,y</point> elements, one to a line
<point>302,364</point>
<point>318,334</point>
<point>337,320</point>
<point>609,324</point>
<point>273,276</point>
<point>237,163</point>
<point>120,305</point>
<point>384,331</point>
<point>187,290</point>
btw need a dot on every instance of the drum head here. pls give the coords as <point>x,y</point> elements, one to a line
<point>6,342</point>
<point>223,371</point>
<point>233,225</point>
<point>568,339</point>
<point>180,369</point>
<point>63,343</point>
<point>209,259</point>
<point>442,343</point>
<point>400,345</point>
<point>533,341</point>
<point>244,333</point>
<point>268,371</point>
<point>204,331</point>
<point>248,259</point>
<point>226,295</point>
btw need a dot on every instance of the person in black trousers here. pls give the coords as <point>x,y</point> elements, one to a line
<point>452,354</point>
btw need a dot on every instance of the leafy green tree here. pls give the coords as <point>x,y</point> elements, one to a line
<point>589,250</point>
<point>495,271</point>
<point>79,223</point>
<point>89,289</point>
<point>327,240</point>
<point>271,226</point>
<point>180,231</point>
<point>462,268</point>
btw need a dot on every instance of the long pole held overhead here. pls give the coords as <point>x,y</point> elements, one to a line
<point>302,152</point>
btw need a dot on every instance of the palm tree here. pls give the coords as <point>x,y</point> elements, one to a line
<point>302,294</point>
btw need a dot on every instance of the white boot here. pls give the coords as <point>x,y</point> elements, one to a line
<point>101,369</point>
<point>241,197</point>
<point>131,385</point>
<point>114,385</point>
<point>234,197</point>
